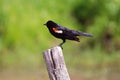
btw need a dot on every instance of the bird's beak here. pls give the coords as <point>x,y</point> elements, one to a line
<point>44,24</point>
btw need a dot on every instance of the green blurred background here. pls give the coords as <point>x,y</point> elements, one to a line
<point>23,38</point>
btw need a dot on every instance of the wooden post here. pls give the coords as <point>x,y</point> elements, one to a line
<point>55,64</point>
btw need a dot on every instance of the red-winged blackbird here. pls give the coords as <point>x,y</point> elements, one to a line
<point>64,33</point>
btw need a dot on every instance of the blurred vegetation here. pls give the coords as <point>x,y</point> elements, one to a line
<point>23,37</point>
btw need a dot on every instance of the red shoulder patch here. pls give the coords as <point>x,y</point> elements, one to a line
<point>57,31</point>
<point>54,29</point>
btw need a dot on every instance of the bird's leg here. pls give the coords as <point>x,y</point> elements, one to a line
<point>62,43</point>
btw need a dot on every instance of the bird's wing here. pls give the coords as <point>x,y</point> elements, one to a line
<point>67,31</point>
<point>62,30</point>
<point>74,32</point>
<point>79,33</point>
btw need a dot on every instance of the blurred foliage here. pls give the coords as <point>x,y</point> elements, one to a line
<point>102,19</point>
<point>23,37</point>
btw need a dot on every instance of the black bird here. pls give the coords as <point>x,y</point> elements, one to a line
<point>64,33</point>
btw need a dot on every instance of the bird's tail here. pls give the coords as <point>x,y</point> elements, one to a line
<point>78,33</point>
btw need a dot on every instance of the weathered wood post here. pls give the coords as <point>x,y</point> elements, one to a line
<point>55,64</point>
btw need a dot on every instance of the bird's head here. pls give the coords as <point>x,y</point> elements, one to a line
<point>50,24</point>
